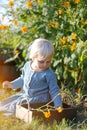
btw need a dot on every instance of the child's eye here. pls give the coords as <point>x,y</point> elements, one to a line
<point>44,62</point>
<point>41,61</point>
<point>48,62</point>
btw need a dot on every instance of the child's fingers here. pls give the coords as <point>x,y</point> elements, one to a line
<point>5,84</point>
<point>60,109</point>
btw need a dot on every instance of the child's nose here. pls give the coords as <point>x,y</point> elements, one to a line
<point>45,63</point>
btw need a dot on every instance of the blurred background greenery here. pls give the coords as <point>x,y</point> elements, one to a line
<point>63,22</point>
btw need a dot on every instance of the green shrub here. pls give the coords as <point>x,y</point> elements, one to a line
<point>64,23</point>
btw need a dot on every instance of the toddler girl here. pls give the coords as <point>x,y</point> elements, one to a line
<point>38,81</point>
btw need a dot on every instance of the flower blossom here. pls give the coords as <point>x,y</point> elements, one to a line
<point>29,4</point>
<point>16,52</point>
<point>73,46</point>
<point>63,40</point>
<point>24,29</point>
<point>74,35</point>
<point>53,24</point>
<point>78,90</point>
<point>85,22</point>
<point>15,23</point>
<point>59,109</point>
<point>3,26</point>
<point>76,1</point>
<point>66,4</point>
<point>39,1</point>
<point>47,114</point>
<point>10,3</point>
<point>60,11</point>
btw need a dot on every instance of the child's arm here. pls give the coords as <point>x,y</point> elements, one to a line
<point>15,84</point>
<point>54,90</point>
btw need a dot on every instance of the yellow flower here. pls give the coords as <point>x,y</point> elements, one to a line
<point>63,40</point>
<point>73,46</point>
<point>59,109</point>
<point>15,23</point>
<point>29,4</point>
<point>53,24</point>
<point>60,11</point>
<point>66,4</point>
<point>76,1</point>
<point>74,35</point>
<point>16,52</point>
<point>0,26</point>
<point>39,1</point>
<point>3,26</point>
<point>24,29</point>
<point>10,3</point>
<point>85,22</point>
<point>47,114</point>
<point>78,90</point>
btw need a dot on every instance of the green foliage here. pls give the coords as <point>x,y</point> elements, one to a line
<point>64,23</point>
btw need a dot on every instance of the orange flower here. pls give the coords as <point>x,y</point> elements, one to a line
<point>15,23</point>
<point>29,4</point>
<point>78,90</point>
<point>24,29</point>
<point>85,22</point>
<point>10,3</point>
<point>73,46</point>
<point>53,24</point>
<point>3,26</point>
<point>39,1</point>
<point>16,52</point>
<point>76,1</point>
<point>0,26</point>
<point>60,11</point>
<point>60,109</point>
<point>63,40</point>
<point>74,35</point>
<point>47,114</point>
<point>66,4</point>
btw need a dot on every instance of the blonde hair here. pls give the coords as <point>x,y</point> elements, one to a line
<point>41,48</point>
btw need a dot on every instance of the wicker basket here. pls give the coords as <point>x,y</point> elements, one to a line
<point>24,113</point>
<point>27,111</point>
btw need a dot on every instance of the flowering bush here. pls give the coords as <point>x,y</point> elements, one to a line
<point>5,41</point>
<point>64,23</point>
<point>9,47</point>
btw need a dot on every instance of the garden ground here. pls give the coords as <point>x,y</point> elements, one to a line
<point>12,123</point>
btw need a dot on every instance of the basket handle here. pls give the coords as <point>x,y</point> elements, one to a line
<point>25,99</point>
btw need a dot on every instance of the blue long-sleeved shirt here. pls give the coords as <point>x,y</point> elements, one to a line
<point>39,87</point>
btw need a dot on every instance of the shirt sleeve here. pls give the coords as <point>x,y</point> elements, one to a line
<point>18,83</point>
<point>54,89</point>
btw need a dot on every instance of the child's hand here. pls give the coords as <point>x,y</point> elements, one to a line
<point>7,84</point>
<point>59,109</point>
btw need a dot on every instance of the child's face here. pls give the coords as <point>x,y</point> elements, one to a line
<point>42,64</point>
